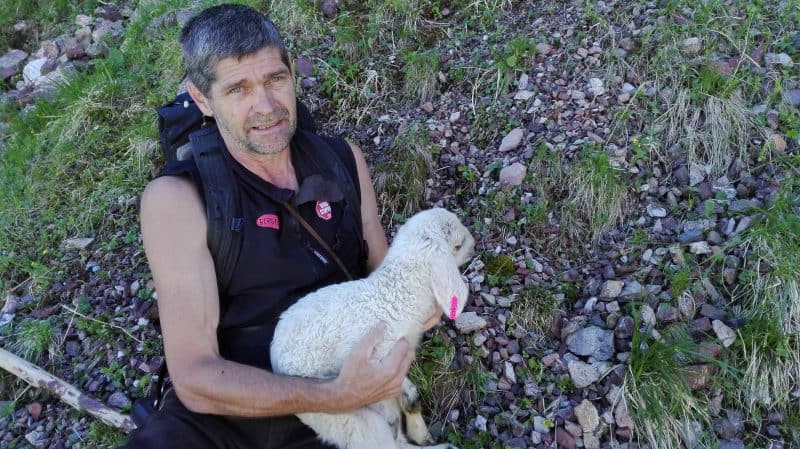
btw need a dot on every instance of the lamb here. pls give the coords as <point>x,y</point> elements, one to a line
<point>420,272</point>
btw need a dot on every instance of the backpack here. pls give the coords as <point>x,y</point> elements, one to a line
<point>183,136</point>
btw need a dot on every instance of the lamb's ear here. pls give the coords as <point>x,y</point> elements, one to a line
<point>447,284</point>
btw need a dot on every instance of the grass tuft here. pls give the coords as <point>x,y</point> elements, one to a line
<point>34,339</point>
<point>400,181</point>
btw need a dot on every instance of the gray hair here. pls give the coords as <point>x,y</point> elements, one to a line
<point>225,31</point>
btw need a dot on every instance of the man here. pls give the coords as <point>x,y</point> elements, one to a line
<point>217,342</point>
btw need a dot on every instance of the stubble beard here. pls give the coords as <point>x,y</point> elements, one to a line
<point>274,146</point>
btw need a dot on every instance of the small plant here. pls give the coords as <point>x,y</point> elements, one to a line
<point>510,59</point>
<point>101,436</point>
<point>534,309</point>
<point>419,75</point>
<point>35,338</point>
<point>401,180</point>
<point>596,196</point>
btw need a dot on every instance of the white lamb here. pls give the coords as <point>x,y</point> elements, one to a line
<point>314,336</point>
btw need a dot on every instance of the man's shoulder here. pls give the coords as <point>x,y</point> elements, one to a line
<point>170,189</point>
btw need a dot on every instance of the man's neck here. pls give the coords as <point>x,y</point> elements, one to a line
<point>277,169</point>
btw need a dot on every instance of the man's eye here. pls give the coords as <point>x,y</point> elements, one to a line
<point>278,78</point>
<point>235,90</point>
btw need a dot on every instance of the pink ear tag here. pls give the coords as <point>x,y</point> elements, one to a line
<point>453,307</point>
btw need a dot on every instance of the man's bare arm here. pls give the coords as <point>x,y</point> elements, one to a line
<point>174,234</point>
<point>370,219</point>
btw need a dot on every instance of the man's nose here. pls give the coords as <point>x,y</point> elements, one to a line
<point>264,101</point>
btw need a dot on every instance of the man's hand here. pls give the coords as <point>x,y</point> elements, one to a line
<point>366,379</point>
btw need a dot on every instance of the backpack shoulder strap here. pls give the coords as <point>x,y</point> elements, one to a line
<point>223,212</point>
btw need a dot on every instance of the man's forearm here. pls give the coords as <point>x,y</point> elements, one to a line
<point>222,387</point>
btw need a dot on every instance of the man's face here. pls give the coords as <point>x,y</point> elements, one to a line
<point>253,102</point>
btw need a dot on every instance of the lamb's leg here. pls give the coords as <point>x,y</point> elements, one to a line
<point>415,428</point>
<point>361,429</point>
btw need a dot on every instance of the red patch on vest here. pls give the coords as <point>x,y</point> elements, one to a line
<point>324,210</point>
<point>268,221</point>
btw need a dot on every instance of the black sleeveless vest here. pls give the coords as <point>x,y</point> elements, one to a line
<point>279,261</point>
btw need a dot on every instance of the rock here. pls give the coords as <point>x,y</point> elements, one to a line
<point>564,440</point>
<point>611,289</point>
<point>667,314</point>
<point>10,62</point>
<point>78,243</point>
<point>596,87</point>
<point>584,374</point>
<point>700,248</point>
<point>512,140</point>
<point>119,400</point>
<point>776,141</point>
<point>632,288</point>
<point>699,376</point>
<point>792,96</point>
<point>725,334</point>
<point>731,444</point>
<point>697,174</point>
<point>304,66</point>
<point>102,32</point>
<point>686,304</point>
<point>778,59</point>
<point>656,211</point>
<point>110,13</point>
<point>591,441</point>
<point>587,416</point>
<point>82,20</point>
<point>513,175</point>
<point>543,48</point>
<point>469,322</point>
<point>621,415</point>
<point>648,316</point>
<point>427,107</point>
<point>35,410</point>
<point>690,236</point>
<point>624,327</point>
<point>38,438</point>
<point>692,46</point>
<point>743,206</point>
<point>33,70</point>
<point>480,423</point>
<point>524,95</point>
<point>592,341</point>
<point>329,7</point>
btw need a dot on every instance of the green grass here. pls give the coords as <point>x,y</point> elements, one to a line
<point>400,181</point>
<point>596,197</point>
<point>419,76</point>
<point>534,309</point>
<point>45,18</point>
<point>34,339</point>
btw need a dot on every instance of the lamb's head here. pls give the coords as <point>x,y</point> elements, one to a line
<point>441,244</point>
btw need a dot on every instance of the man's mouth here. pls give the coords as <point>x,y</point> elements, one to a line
<point>267,127</point>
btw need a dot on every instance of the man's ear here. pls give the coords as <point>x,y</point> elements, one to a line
<point>199,99</point>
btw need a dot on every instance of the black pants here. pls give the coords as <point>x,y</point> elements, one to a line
<point>174,426</point>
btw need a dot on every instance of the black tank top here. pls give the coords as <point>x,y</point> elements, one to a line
<point>280,261</point>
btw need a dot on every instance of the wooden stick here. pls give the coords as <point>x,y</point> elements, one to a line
<point>42,379</point>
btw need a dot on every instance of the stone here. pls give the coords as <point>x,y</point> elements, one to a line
<point>480,423</point>
<point>469,322</point>
<point>35,410</point>
<point>632,288</point>
<point>82,20</point>
<point>512,140</point>
<point>690,236</point>
<point>792,96</point>
<point>667,313</point>
<point>686,304</point>
<point>697,174</point>
<point>700,248</point>
<point>524,95</point>
<point>777,143</point>
<point>611,289</point>
<point>731,444</point>
<point>304,66</point>
<point>584,374</point>
<point>587,416</point>
<point>37,438</point>
<point>656,211</point>
<point>329,7</point>
<point>455,116</point>
<point>78,243</point>
<point>743,206</point>
<point>10,63</point>
<point>699,376</point>
<point>108,12</point>
<point>596,87</point>
<point>692,46</point>
<point>592,341</point>
<point>778,59</point>
<point>591,441</point>
<point>513,175</point>
<point>725,334</point>
<point>564,440</point>
<point>621,415</point>
<point>543,48</point>
<point>33,70</point>
<point>624,327</point>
